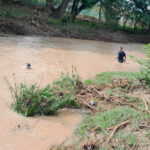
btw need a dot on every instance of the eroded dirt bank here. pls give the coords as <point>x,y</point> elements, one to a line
<point>37,26</point>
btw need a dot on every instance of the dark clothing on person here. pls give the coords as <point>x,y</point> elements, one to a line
<point>121,56</point>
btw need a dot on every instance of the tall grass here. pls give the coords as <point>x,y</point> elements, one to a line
<point>33,100</point>
<point>107,119</point>
<point>107,77</point>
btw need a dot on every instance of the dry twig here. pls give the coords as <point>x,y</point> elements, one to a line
<point>86,104</point>
<point>115,130</point>
<point>101,93</point>
<point>146,104</point>
<point>143,110</point>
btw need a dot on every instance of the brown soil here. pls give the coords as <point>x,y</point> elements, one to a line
<point>38,26</point>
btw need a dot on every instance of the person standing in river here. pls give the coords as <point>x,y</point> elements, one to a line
<point>121,56</point>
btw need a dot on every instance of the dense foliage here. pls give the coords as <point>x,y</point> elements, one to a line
<point>133,14</point>
<point>79,5</point>
<point>129,13</point>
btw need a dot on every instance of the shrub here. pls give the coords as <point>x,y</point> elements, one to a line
<point>33,100</point>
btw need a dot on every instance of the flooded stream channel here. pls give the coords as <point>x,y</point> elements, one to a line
<point>48,58</point>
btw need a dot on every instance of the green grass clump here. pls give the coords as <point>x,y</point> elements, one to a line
<point>33,100</point>
<point>67,82</point>
<point>130,99</point>
<point>111,118</point>
<point>127,137</point>
<point>104,119</point>
<point>30,100</point>
<point>107,77</point>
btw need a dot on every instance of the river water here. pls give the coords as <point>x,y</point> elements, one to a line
<point>48,58</point>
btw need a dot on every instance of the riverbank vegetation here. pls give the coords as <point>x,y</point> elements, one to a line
<point>34,100</point>
<point>117,21</point>
<point>133,14</point>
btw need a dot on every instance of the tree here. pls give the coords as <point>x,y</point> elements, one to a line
<point>133,13</point>
<point>57,12</point>
<point>142,17</point>
<point>112,10</point>
<point>79,5</point>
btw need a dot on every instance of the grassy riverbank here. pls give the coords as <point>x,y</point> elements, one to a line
<point>27,21</point>
<point>119,115</point>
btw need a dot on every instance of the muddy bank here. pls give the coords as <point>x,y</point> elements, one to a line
<point>38,26</point>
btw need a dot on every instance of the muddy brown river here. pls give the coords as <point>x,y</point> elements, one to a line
<point>49,57</point>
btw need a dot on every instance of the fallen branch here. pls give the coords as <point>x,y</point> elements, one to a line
<point>143,127</point>
<point>101,93</point>
<point>88,105</point>
<point>146,104</point>
<point>143,110</point>
<point>115,130</point>
<point>92,107</point>
<point>136,107</point>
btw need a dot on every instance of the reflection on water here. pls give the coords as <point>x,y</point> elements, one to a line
<point>49,57</point>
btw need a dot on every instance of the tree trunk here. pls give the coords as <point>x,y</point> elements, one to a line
<point>100,11</point>
<point>75,10</point>
<point>58,13</point>
<point>125,20</point>
<point>47,4</point>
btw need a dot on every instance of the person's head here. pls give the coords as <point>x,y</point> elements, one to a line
<point>121,49</point>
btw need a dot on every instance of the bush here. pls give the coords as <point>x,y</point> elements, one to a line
<point>32,100</point>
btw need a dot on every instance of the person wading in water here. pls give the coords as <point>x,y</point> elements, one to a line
<point>121,56</point>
